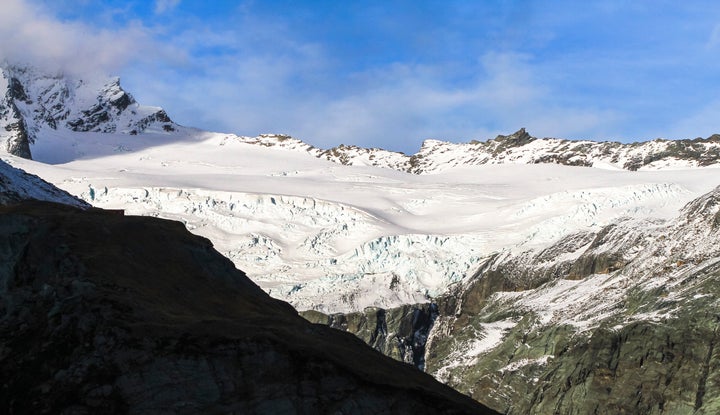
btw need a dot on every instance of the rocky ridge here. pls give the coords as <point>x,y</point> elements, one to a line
<point>34,100</point>
<point>520,147</point>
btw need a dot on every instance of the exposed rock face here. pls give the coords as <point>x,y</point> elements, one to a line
<point>400,333</point>
<point>620,321</point>
<point>101,313</point>
<point>31,100</point>
<point>13,125</point>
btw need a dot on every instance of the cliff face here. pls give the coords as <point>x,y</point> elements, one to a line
<point>400,333</point>
<point>101,313</point>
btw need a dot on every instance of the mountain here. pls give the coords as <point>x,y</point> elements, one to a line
<point>35,100</point>
<point>32,100</point>
<point>537,275</point>
<point>103,313</point>
<point>340,238</point>
<point>623,320</point>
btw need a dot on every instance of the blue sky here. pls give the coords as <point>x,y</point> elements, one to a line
<point>392,73</point>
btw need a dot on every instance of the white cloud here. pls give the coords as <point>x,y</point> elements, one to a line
<point>162,6</point>
<point>32,36</point>
<point>395,107</point>
<point>267,79</point>
<point>252,75</point>
<point>714,38</point>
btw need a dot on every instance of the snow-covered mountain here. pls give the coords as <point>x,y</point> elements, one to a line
<point>341,238</point>
<point>535,252</point>
<point>32,101</point>
<point>328,229</point>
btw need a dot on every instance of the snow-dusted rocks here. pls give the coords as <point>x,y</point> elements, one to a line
<point>18,186</point>
<point>618,319</point>
<point>592,321</point>
<point>520,147</point>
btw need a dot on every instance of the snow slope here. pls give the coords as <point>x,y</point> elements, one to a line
<point>337,237</point>
<point>18,186</point>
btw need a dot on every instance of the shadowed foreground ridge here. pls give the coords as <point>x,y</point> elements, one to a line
<point>101,313</point>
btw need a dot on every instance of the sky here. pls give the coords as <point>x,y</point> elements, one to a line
<point>392,73</point>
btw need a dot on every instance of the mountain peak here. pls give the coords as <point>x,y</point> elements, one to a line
<point>32,100</point>
<point>519,136</point>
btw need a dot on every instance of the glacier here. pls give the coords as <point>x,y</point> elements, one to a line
<point>340,238</point>
<point>346,228</point>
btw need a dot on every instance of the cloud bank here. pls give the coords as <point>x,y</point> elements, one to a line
<point>32,35</point>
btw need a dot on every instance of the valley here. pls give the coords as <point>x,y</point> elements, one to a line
<point>535,275</point>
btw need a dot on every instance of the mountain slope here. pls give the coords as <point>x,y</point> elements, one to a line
<point>102,312</point>
<point>19,186</point>
<point>623,320</point>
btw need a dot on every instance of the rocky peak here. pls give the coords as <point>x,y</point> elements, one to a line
<point>16,91</point>
<point>13,129</point>
<point>519,137</point>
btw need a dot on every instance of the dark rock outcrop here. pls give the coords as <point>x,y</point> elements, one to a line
<point>101,313</point>
<point>400,333</point>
